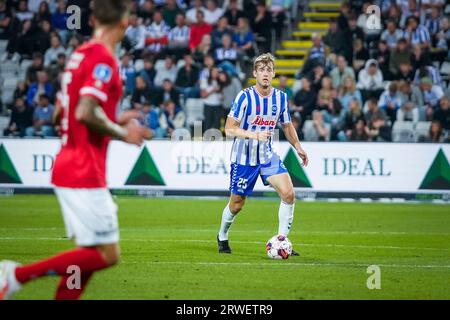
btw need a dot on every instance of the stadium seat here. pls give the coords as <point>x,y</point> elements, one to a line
<point>421,129</point>
<point>138,65</point>
<point>291,53</point>
<point>313,16</point>
<point>194,110</point>
<point>328,6</point>
<point>296,44</point>
<point>403,131</point>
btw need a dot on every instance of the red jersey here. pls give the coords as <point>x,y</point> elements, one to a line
<point>90,71</point>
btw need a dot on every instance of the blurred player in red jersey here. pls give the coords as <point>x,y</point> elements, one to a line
<point>91,89</point>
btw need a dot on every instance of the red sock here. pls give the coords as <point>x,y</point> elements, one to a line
<point>87,259</point>
<point>63,292</point>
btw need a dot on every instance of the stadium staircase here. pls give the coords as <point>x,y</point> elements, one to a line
<point>293,51</point>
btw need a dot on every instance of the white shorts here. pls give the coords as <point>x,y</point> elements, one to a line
<point>90,215</point>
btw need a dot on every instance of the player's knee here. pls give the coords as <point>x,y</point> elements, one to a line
<point>236,206</point>
<point>288,196</point>
<point>111,254</point>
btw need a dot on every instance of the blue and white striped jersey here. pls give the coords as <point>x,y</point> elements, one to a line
<point>257,113</point>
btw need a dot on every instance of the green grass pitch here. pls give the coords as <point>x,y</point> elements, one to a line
<point>169,250</point>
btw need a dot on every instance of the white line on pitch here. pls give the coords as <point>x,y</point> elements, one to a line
<point>332,245</point>
<point>312,264</point>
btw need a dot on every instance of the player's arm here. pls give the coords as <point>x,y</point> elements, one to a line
<point>292,137</point>
<point>91,114</point>
<point>232,130</point>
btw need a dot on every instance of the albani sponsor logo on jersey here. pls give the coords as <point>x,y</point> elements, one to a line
<point>260,121</point>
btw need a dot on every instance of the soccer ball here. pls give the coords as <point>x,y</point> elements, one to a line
<point>279,247</point>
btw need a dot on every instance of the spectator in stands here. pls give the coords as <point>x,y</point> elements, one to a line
<point>325,95</point>
<point>231,86</point>
<point>41,86</point>
<point>187,81</point>
<point>442,40</point>
<point>409,92</point>
<point>435,134</point>
<point>171,118</point>
<point>36,65</point>
<point>127,73</point>
<point>191,14</point>
<point>43,37</point>
<point>429,72</point>
<point>43,13</point>
<point>157,33</point>
<point>212,12</point>
<point>74,42</point>
<point>360,131</point>
<point>398,56</point>
<point>390,101</point>
<point>170,12</point>
<point>198,30</point>
<point>221,29</point>
<point>21,91</point>
<point>333,115</point>
<point>146,11</point>
<point>42,119</point>
<point>392,35</point>
<point>377,122</point>
<point>208,64</point>
<point>304,100</point>
<point>211,93</point>
<point>168,92</point>
<point>348,92</point>
<point>417,34</point>
<point>278,9</point>
<point>355,31</point>
<point>319,131</point>
<point>234,13</point>
<point>179,37</point>
<point>21,44</point>
<point>21,118</point>
<point>150,119</point>
<point>56,69</point>
<point>203,49</point>
<point>243,37</point>
<point>262,26</point>
<point>51,55</point>
<point>148,73</point>
<point>419,57</point>
<point>59,21</point>
<point>168,70</point>
<point>340,72</point>
<point>5,21</point>
<point>135,35</point>
<point>408,112</point>
<point>382,55</point>
<point>442,114</point>
<point>370,80</point>
<point>142,95</point>
<point>316,55</point>
<point>351,128</point>
<point>433,22</point>
<point>360,55</point>
<point>283,86</point>
<point>23,13</point>
<point>339,41</point>
<point>431,95</point>
<point>226,52</point>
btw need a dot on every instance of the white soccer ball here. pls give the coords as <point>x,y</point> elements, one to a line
<point>279,247</point>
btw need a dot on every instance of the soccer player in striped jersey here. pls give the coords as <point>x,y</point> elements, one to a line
<point>251,122</point>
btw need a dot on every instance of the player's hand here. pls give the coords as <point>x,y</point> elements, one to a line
<point>136,133</point>
<point>263,135</point>
<point>302,154</point>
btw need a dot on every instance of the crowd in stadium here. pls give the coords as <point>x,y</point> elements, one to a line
<point>357,82</point>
